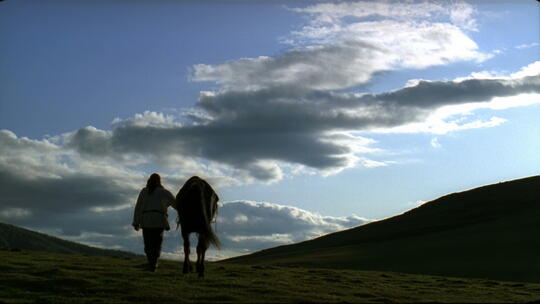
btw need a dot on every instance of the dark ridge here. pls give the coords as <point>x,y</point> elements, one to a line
<point>16,238</point>
<point>488,232</point>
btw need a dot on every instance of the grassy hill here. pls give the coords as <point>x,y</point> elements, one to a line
<point>17,238</point>
<point>489,232</point>
<point>38,277</point>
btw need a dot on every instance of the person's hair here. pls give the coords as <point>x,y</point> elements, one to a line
<point>153,182</point>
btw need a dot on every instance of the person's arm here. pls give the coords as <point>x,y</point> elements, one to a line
<point>167,199</point>
<point>171,200</point>
<point>137,214</point>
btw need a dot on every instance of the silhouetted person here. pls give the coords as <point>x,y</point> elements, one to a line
<point>151,215</point>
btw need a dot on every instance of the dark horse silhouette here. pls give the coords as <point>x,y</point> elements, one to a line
<point>197,207</point>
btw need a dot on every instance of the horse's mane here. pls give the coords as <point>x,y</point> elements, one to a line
<point>195,179</point>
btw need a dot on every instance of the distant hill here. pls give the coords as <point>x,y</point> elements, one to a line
<point>17,238</point>
<point>488,232</point>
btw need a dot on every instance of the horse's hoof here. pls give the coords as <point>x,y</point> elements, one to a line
<point>200,270</point>
<point>187,269</point>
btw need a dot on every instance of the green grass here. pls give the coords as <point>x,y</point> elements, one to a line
<point>34,277</point>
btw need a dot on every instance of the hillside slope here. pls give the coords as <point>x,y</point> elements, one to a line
<point>488,232</point>
<point>37,277</point>
<point>17,238</point>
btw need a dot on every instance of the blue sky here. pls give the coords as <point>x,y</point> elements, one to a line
<point>322,114</point>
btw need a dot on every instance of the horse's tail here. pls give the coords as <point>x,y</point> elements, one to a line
<point>210,237</point>
<point>210,211</point>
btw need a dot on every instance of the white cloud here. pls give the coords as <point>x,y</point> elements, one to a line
<point>149,119</point>
<point>324,67</point>
<point>440,125</point>
<point>532,69</point>
<point>332,53</point>
<point>527,45</point>
<point>9,213</point>
<point>458,12</point>
<point>247,226</point>
<point>461,14</point>
<point>277,238</point>
<point>368,163</point>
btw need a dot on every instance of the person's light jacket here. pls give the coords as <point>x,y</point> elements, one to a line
<point>151,209</point>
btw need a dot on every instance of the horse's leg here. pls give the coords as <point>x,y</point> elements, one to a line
<point>202,259</point>
<point>187,264</point>
<point>201,250</point>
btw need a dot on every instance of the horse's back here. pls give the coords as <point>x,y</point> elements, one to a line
<point>196,206</point>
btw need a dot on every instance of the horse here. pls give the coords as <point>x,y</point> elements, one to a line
<point>197,206</point>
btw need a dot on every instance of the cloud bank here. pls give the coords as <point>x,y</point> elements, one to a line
<point>244,224</point>
<point>256,132</point>
<point>49,188</point>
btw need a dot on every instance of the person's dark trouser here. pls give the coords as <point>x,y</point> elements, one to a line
<point>153,237</point>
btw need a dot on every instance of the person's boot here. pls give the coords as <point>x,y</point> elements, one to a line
<point>149,261</point>
<point>155,266</point>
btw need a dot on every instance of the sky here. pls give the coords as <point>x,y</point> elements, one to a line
<point>307,117</point>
